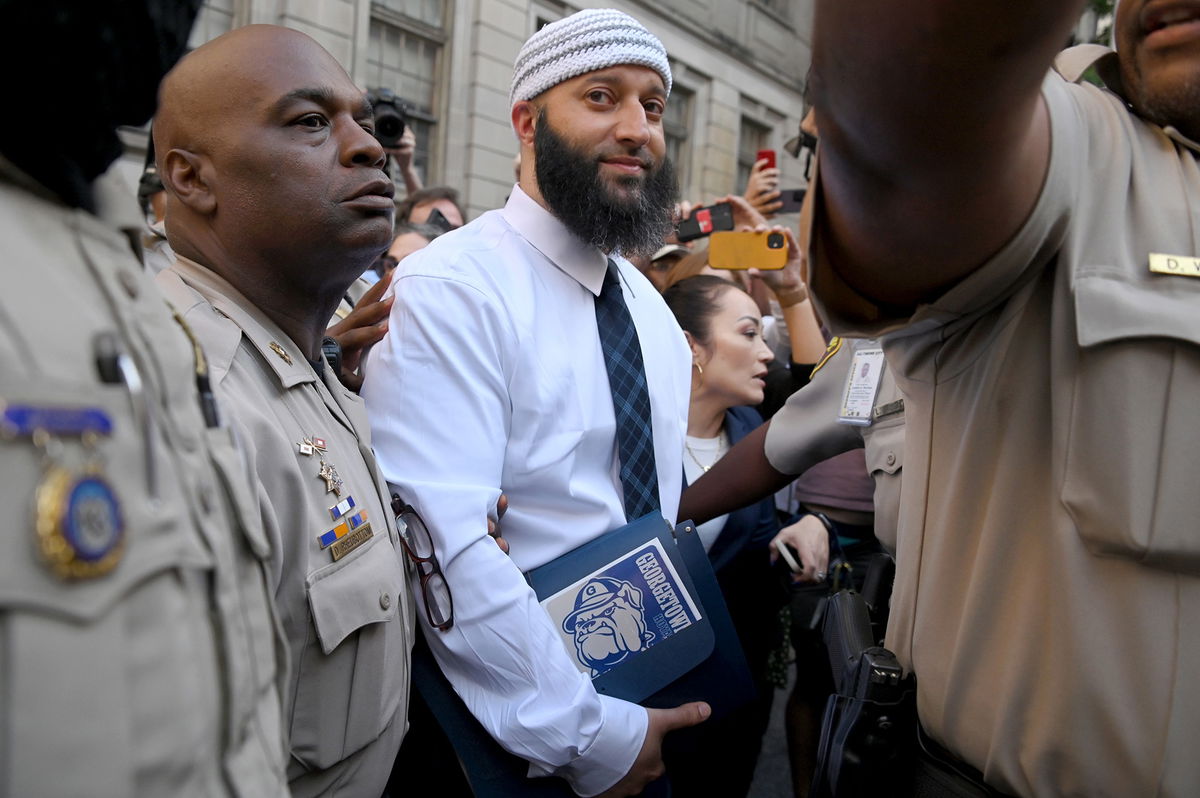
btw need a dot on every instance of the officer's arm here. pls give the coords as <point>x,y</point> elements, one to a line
<point>743,476</point>
<point>934,138</point>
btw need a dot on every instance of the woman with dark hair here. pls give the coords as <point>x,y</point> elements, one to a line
<point>723,326</point>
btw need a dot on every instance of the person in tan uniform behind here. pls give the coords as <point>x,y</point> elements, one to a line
<point>1024,246</point>
<point>277,202</point>
<point>139,650</point>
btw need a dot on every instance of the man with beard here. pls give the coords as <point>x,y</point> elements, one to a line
<point>493,377</point>
<point>277,201</point>
<point>138,654</point>
<point>1026,246</point>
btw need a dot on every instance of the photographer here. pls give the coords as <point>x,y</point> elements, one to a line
<point>396,135</point>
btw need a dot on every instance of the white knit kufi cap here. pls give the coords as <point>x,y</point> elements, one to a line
<point>584,42</point>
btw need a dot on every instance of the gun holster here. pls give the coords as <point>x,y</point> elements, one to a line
<point>869,728</point>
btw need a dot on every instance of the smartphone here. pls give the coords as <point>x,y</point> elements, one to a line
<point>768,156</point>
<point>745,250</point>
<point>792,199</point>
<point>706,220</point>
<point>788,555</point>
<point>438,220</point>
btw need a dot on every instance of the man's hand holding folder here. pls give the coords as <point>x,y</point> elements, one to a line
<point>649,765</point>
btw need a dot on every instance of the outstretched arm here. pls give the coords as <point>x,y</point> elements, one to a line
<point>924,176</point>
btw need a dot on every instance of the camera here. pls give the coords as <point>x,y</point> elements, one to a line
<point>776,241</point>
<point>391,114</point>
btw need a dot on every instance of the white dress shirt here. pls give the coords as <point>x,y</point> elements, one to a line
<point>491,378</point>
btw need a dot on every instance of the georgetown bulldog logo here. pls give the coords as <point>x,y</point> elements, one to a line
<point>608,623</point>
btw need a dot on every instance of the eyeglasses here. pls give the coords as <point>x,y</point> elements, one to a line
<point>418,545</point>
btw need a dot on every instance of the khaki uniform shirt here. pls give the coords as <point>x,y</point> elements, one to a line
<point>150,664</point>
<point>348,621</point>
<point>806,431</point>
<point>1048,584</point>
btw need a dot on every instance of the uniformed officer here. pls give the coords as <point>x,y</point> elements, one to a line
<point>277,202</point>
<point>1025,247</point>
<point>844,407</point>
<point>138,647</point>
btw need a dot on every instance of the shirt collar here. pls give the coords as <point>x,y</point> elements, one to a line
<point>545,233</point>
<point>1073,62</point>
<point>278,350</point>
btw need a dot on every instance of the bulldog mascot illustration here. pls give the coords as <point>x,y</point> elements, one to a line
<point>608,623</point>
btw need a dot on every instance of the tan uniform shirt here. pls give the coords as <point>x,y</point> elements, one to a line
<point>806,431</point>
<point>151,666</point>
<point>1047,592</point>
<point>348,621</point>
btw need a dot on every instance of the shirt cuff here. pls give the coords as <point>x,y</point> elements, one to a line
<point>613,750</point>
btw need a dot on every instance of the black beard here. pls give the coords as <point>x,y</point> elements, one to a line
<point>571,185</point>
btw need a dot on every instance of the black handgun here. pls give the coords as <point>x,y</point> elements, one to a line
<point>870,720</point>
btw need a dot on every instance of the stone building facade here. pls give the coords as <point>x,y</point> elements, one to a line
<point>739,68</point>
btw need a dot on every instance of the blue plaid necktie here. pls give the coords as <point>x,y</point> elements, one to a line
<point>631,399</point>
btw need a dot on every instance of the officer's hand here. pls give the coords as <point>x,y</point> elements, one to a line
<point>649,765</point>
<point>362,328</point>
<point>494,526</point>
<point>810,539</point>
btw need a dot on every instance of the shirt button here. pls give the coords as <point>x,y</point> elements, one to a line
<point>891,458</point>
<point>385,600</point>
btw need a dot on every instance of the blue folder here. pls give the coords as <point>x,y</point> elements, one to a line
<point>700,662</point>
<point>692,654</point>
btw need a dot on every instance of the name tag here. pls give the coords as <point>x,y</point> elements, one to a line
<point>1181,265</point>
<point>351,542</point>
<point>862,385</point>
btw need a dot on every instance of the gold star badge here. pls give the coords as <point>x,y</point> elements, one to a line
<point>333,483</point>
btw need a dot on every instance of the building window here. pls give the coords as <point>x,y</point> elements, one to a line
<point>404,54</point>
<point>752,137</point>
<point>677,127</point>
<point>215,18</point>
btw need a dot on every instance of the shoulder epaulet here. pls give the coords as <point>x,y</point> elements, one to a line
<point>835,344</point>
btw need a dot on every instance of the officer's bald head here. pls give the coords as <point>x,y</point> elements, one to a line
<point>219,82</point>
<point>264,145</point>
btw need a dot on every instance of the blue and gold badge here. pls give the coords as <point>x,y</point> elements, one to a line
<point>79,524</point>
<point>78,521</point>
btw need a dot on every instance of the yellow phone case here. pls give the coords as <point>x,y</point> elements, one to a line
<point>747,250</point>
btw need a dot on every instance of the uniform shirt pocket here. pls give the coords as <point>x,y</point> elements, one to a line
<point>99,670</point>
<point>1133,432</point>
<point>352,675</point>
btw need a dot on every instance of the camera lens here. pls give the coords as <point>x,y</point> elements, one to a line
<point>389,127</point>
<point>775,241</point>
<point>389,116</point>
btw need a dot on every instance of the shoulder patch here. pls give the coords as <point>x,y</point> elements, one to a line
<point>835,344</point>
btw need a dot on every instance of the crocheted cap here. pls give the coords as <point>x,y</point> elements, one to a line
<point>592,39</point>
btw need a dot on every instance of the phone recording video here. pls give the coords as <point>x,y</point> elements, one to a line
<point>705,221</point>
<point>748,250</point>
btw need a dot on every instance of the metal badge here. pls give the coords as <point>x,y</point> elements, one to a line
<point>1178,265</point>
<point>77,517</point>
<point>279,350</point>
<point>333,482</point>
<point>79,525</point>
<point>351,542</point>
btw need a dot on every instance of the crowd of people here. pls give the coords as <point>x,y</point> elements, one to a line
<point>281,488</point>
